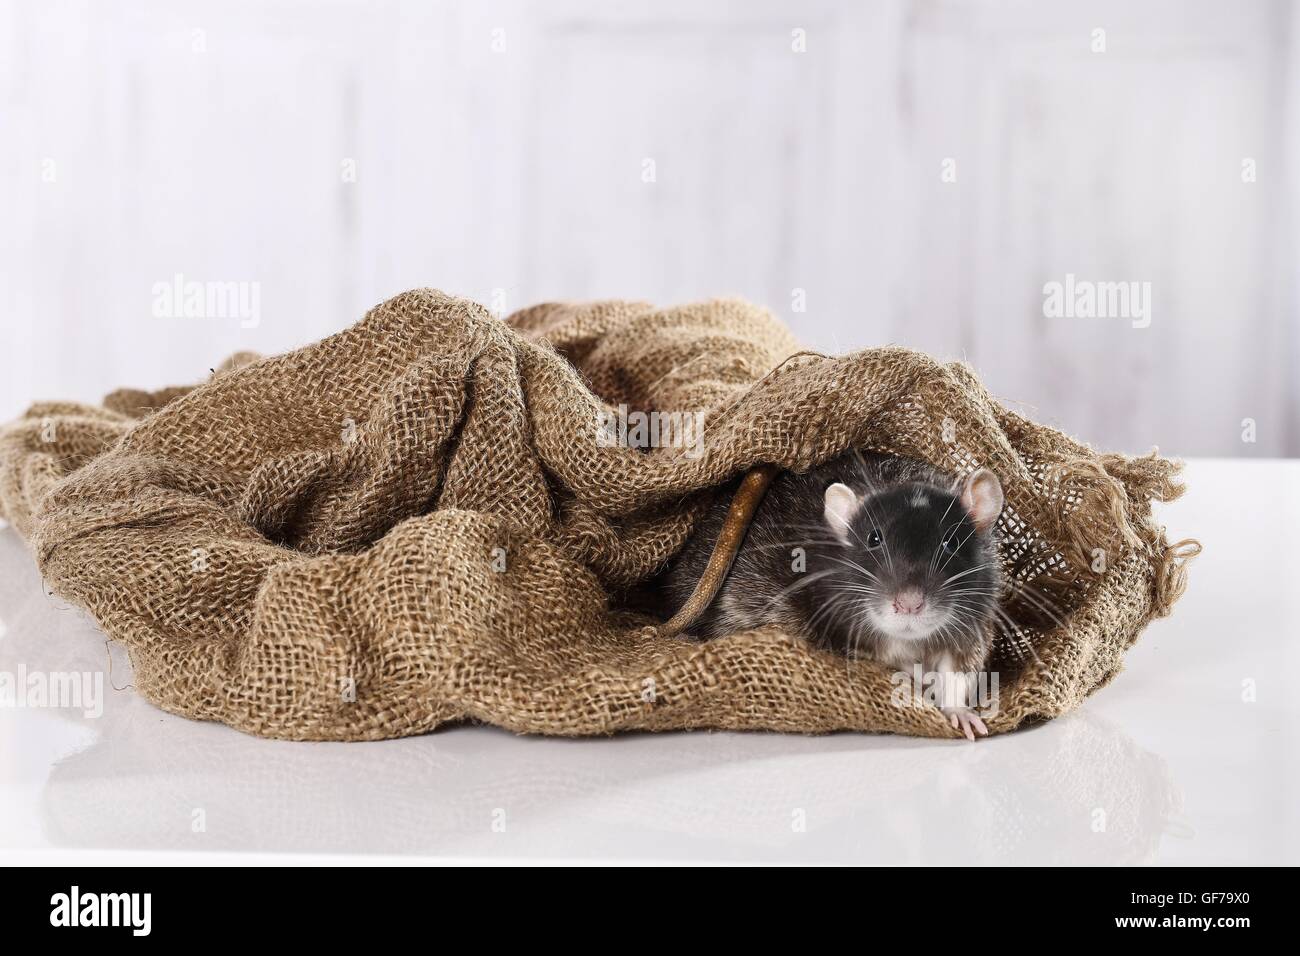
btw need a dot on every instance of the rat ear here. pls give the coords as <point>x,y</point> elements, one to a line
<point>841,505</point>
<point>981,496</point>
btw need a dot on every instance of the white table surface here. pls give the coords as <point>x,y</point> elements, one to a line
<point>1169,764</point>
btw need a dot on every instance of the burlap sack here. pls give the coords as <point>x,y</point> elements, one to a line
<point>413,522</point>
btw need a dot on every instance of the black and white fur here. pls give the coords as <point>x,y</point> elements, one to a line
<point>867,555</point>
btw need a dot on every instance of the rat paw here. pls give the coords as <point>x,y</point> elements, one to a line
<point>966,720</point>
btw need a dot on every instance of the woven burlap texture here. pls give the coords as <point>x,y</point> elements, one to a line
<point>412,522</point>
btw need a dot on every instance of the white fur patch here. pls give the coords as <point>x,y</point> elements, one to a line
<point>919,500</point>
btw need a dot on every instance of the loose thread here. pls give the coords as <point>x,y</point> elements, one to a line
<point>109,654</point>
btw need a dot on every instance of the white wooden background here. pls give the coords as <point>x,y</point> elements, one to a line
<point>501,146</point>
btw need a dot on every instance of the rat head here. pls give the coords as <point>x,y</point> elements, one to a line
<point>918,559</point>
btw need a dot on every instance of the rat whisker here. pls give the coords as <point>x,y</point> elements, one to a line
<point>955,550</point>
<point>952,501</point>
<point>802,583</point>
<point>962,574</point>
<point>1038,602</point>
<point>1011,627</point>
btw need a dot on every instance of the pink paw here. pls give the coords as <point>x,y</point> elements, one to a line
<point>967,721</point>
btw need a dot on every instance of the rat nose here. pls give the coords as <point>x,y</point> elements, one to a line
<point>909,601</point>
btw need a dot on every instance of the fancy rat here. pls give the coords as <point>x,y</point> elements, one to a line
<point>868,554</point>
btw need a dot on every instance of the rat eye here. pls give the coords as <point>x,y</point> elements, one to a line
<point>951,541</point>
<point>875,539</point>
